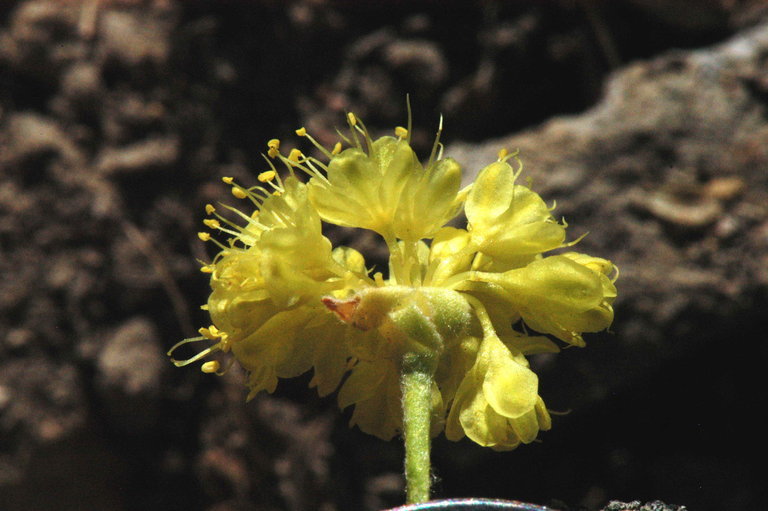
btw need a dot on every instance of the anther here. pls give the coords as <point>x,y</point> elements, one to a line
<point>207,268</point>
<point>336,149</point>
<point>401,132</point>
<point>294,155</point>
<point>503,152</point>
<point>351,118</point>
<point>267,176</point>
<point>274,143</point>
<point>302,132</point>
<point>209,209</point>
<point>211,223</point>
<point>204,236</point>
<point>239,193</point>
<point>227,180</point>
<point>211,366</point>
<point>273,152</point>
<point>211,332</point>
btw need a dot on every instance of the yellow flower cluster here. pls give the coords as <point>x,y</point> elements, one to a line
<point>284,301</point>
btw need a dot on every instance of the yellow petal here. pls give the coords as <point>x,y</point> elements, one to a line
<point>490,195</point>
<point>510,388</point>
<point>526,427</point>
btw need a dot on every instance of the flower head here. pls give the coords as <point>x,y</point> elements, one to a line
<point>284,301</point>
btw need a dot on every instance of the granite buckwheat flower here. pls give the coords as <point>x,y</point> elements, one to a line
<point>461,301</point>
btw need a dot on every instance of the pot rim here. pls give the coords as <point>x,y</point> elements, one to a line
<point>470,504</point>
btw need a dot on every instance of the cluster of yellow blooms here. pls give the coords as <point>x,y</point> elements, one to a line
<point>285,301</point>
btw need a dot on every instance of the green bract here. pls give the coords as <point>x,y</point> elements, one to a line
<point>458,304</point>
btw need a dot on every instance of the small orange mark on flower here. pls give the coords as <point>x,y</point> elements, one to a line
<point>344,309</point>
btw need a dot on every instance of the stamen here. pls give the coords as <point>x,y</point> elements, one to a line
<point>204,236</point>
<point>304,165</point>
<point>344,137</point>
<point>574,242</point>
<point>182,343</point>
<point>315,143</point>
<point>202,354</point>
<point>237,228</point>
<point>364,131</point>
<point>410,116</point>
<point>244,216</point>
<point>616,276</point>
<point>312,171</point>
<point>273,169</point>
<point>352,121</point>
<point>436,145</point>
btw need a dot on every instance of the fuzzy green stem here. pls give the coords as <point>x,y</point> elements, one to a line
<point>417,404</point>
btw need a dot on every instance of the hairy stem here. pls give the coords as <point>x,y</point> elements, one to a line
<point>417,405</point>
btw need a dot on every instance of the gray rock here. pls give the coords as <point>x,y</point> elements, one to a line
<point>667,175</point>
<point>130,367</point>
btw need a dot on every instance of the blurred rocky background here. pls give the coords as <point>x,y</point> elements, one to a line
<point>646,120</point>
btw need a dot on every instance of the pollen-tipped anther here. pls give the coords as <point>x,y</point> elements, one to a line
<point>267,176</point>
<point>211,366</point>
<point>295,155</point>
